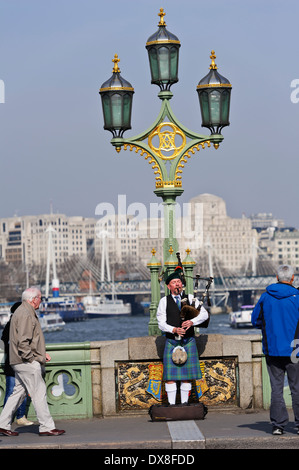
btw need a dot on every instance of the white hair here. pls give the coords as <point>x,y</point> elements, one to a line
<point>30,293</point>
<point>285,273</point>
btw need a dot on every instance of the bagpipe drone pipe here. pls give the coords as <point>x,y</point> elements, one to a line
<point>188,312</point>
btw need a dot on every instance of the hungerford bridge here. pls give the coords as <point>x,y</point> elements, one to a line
<point>221,288</point>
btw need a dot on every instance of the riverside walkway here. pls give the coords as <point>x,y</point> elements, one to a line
<point>233,429</point>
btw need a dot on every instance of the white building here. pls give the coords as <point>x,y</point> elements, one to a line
<point>204,227</point>
<point>25,240</point>
<point>286,248</point>
<point>227,239</point>
<point>119,234</point>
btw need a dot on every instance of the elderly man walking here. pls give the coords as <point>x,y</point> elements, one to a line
<point>27,351</point>
<point>277,315</point>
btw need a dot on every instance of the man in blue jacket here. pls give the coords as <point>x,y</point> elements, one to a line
<point>277,315</point>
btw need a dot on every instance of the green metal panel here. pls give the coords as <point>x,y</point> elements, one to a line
<point>267,388</point>
<point>68,379</point>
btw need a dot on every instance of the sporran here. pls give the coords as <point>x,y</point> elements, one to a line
<point>179,355</point>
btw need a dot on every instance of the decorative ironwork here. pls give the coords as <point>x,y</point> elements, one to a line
<point>167,140</point>
<point>68,379</point>
<point>133,378</point>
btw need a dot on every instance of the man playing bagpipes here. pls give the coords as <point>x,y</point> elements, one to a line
<point>177,315</point>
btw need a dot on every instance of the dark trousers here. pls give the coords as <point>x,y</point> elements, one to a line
<point>277,368</point>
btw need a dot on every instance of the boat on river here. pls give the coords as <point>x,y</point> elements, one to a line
<point>242,317</point>
<point>51,322</point>
<point>67,307</point>
<point>4,314</point>
<point>101,306</point>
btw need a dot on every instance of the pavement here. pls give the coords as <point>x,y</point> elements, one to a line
<point>224,429</point>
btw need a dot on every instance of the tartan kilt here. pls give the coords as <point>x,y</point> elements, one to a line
<point>188,371</point>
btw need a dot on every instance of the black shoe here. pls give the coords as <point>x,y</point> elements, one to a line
<point>276,431</point>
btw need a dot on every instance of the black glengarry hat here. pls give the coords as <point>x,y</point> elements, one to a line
<point>177,274</point>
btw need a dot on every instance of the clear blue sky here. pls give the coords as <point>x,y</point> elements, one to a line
<point>54,56</point>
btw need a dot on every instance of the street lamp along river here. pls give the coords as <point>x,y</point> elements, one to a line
<point>166,144</point>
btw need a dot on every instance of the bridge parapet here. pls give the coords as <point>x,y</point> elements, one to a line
<point>111,377</point>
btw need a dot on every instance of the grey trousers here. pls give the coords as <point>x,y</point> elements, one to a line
<point>277,367</point>
<point>28,379</point>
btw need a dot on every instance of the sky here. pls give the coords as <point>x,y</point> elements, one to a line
<point>54,56</point>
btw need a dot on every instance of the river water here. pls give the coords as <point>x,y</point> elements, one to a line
<point>114,328</point>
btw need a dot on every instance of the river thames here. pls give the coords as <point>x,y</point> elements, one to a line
<point>115,328</point>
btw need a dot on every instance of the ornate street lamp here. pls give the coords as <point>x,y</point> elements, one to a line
<point>214,98</point>
<point>163,53</point>
<point>117,97</point>
<point>167,144</point>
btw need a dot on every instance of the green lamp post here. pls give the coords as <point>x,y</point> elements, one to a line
<point>167,145</point>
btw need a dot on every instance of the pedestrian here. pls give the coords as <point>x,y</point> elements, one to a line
<point>21,418</point>
<point>277,315</point>
<point>27,351</point>
<point>178,334</point>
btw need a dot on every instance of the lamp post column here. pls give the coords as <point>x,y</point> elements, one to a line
<point>154,266</point>
<point>169,196</point>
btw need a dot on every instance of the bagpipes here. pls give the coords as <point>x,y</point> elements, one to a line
<point>190,311</point>
<point>180,265</point>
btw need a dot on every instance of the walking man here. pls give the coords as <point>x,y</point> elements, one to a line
<point>277,315</point>
<point>28,356</point>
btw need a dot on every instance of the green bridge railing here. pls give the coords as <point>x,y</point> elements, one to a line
<point>68,379</point>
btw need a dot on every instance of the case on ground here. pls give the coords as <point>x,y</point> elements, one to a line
<point>178,412</point>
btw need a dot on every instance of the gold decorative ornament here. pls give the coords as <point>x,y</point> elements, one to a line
<point>115,60</point>
<point>183,160</point>
<point>213,57</point>
<point>155,167</point>
<point>167,140</point>
<point>162,14</point>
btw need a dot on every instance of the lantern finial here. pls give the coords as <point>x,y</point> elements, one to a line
<point>116,60</point>
<point>213,66</point>
<point>162,14</point>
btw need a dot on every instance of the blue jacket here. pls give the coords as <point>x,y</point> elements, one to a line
<point>277,315</point>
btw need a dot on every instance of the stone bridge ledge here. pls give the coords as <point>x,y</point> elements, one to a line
<point>244,349</point>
